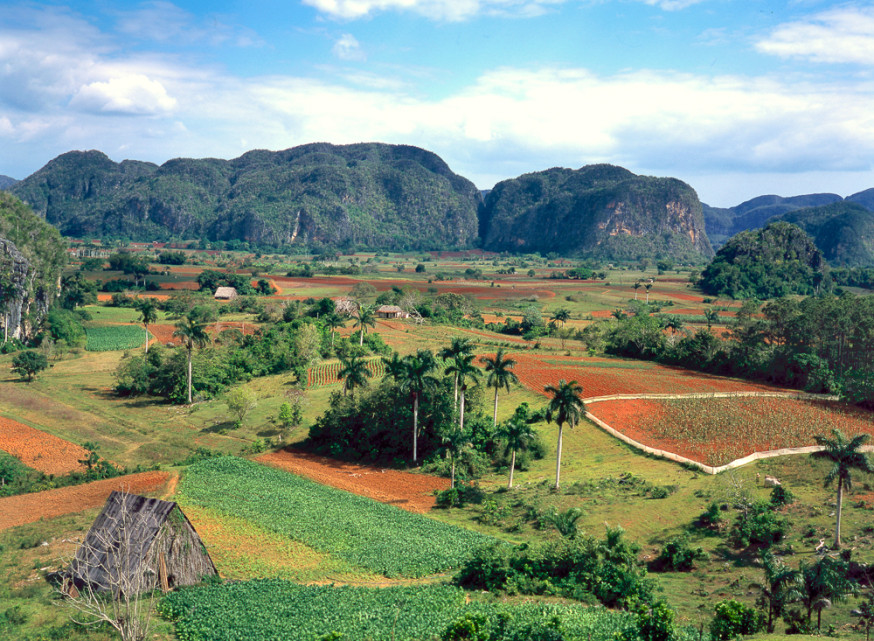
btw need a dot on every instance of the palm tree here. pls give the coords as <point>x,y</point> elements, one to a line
<point>780,587</point>
<point>148,315</point>
<point>394,366</point>
<point>455,442</point>
<point>518,433</point>
<point>648,287</point>
<point>566,406</point>
<point>462,368</point>
<point>334,321</point>
<point>560,316</point>
<point>354,373</point>
<point>416,379</point>
<point>674,324</point>
<point>822,583</point>
<point>845,456</point>
<point>499,375</point>
<point>457,347</point>
<point>619,314</point>
<point>366,318</point>
<point>636,286</point>
<point>711,316</point>
<point>192,333</point>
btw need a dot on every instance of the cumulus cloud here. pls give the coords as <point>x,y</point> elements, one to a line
<point>347,47</point>
<point>134,94</point>
<point>841,35</point>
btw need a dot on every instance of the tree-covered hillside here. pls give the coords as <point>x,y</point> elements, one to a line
<point>599,210</point>
<point>843,231</point>
<point>366,195</point>
<point>6,182</point>
<point>779,260</point>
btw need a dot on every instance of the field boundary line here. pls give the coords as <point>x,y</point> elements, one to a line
<point>709,469</point>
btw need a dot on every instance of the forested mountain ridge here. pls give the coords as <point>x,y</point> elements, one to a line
<point>368,195</point>
<point>6,182</point>
<point>600,210</point>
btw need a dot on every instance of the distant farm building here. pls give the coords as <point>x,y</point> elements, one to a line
<point>391,311</point>
<point>225,293</point>
<point>139,544</point>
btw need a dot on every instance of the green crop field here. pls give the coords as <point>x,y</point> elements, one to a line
<point>276,609</point>
<point>109,338</point>
<point>368,534</point>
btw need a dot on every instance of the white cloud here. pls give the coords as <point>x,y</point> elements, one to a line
<point>133,94</point>
<point>348,48</point>
<point>163,21</point>
<point>448,10</point>
<point>841,35</point>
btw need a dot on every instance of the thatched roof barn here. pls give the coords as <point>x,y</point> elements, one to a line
<point>137,544</point>
<point>391,311</point>
<point>225,293</point>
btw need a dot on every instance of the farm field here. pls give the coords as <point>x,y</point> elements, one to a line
<point>39,450</point>
<point>108,338</point>
<point>260,520</point>
<point>377,537</point>
<point>717,431</point>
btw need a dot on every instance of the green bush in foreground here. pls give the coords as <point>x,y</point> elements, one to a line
<point>276,609</point>
<point>368,534</point>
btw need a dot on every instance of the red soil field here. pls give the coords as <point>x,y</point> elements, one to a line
<point>27,508</point>
<point>411,492</point>
<point>40,450</point>
<point>534,372</point>
<point>182,284</point>
<point>718,430</point>
<point>102,298</point>
<point>163,333</point>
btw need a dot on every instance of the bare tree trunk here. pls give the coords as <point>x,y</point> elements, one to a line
<point>840,505</point>
<point>415,425</point>
<point>496,407</point>
<point>147,337</point>
<point>461,414</point>
<point>512,467</point>
<point>189,375</point>
<point>558,457</point>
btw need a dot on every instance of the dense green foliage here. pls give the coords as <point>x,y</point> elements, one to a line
<point>819,344</point>
<point>275,609</point>
<point>107,338</point>
<point>599,210</point>
<point>29,363</point>
<point>17,478</point>
<point>366,195</point>
<point>778,260</point>
<point>843,232</point>
<point>578,567</point>
<point>733,619</point>
<point>375,536</point>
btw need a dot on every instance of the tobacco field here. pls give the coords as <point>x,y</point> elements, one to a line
<point>274,609</point>
<point>368,534</point>
<point>108,338</point>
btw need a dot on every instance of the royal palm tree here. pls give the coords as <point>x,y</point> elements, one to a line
<point>648,287</point>
<point>846,456</point>
<point>455,442</point>
<point>354,373</point>
<point>781,586</point>
<point>463,369</point>
<point>334,321</point>
<point>560,316</point>
<point>365,318</point>
<point>499,375</point>
<point>193,334</point>
<point>394,366</point>
<point>566,406</point>
<point>636,286</point>
<point>416,379</point>
<point>148,315</point>
<point>518,433</point>
<point>457,347</point>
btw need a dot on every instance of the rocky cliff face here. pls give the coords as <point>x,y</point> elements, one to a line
<point>371,196</point>
<point>15,301</point>
<point>600,210</point>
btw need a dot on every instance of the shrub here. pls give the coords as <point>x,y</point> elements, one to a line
<point>781,496</point>
<point>733,618</point>
<point>758,524</point>
<point>679,555</point>
<point>29,364</point>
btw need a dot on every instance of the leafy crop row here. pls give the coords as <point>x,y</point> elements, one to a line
<point>368,534</point>
<point>281,610</point>
<point>109,338</point>
<point>328,373</point>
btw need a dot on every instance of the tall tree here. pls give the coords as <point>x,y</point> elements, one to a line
<point>648,287</point>
<point>781,586</point>
<point>148,315</point>
<point>636,286</point>
<point>566,406</point>
<point>822,583</point>
<point>518,433</point>
<point>334,321</point>
<point>499,375</point>
<point>560,316</point>
<point>366,317</point>
<point>464,370</point>
<point>457,347</point>
<point>455,442</point>
<point>191,331</point>
<point>846,456</point>
<point>354,373</point>
<point>711,316</point>
<point>416,379</point>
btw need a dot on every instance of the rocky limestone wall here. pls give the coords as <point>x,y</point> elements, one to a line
<point>15,302</point>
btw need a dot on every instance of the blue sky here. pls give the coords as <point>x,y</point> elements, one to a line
<point>736,98</point>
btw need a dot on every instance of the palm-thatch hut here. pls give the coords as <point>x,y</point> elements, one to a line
<point>225,293</point>
<point>138,544</point>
